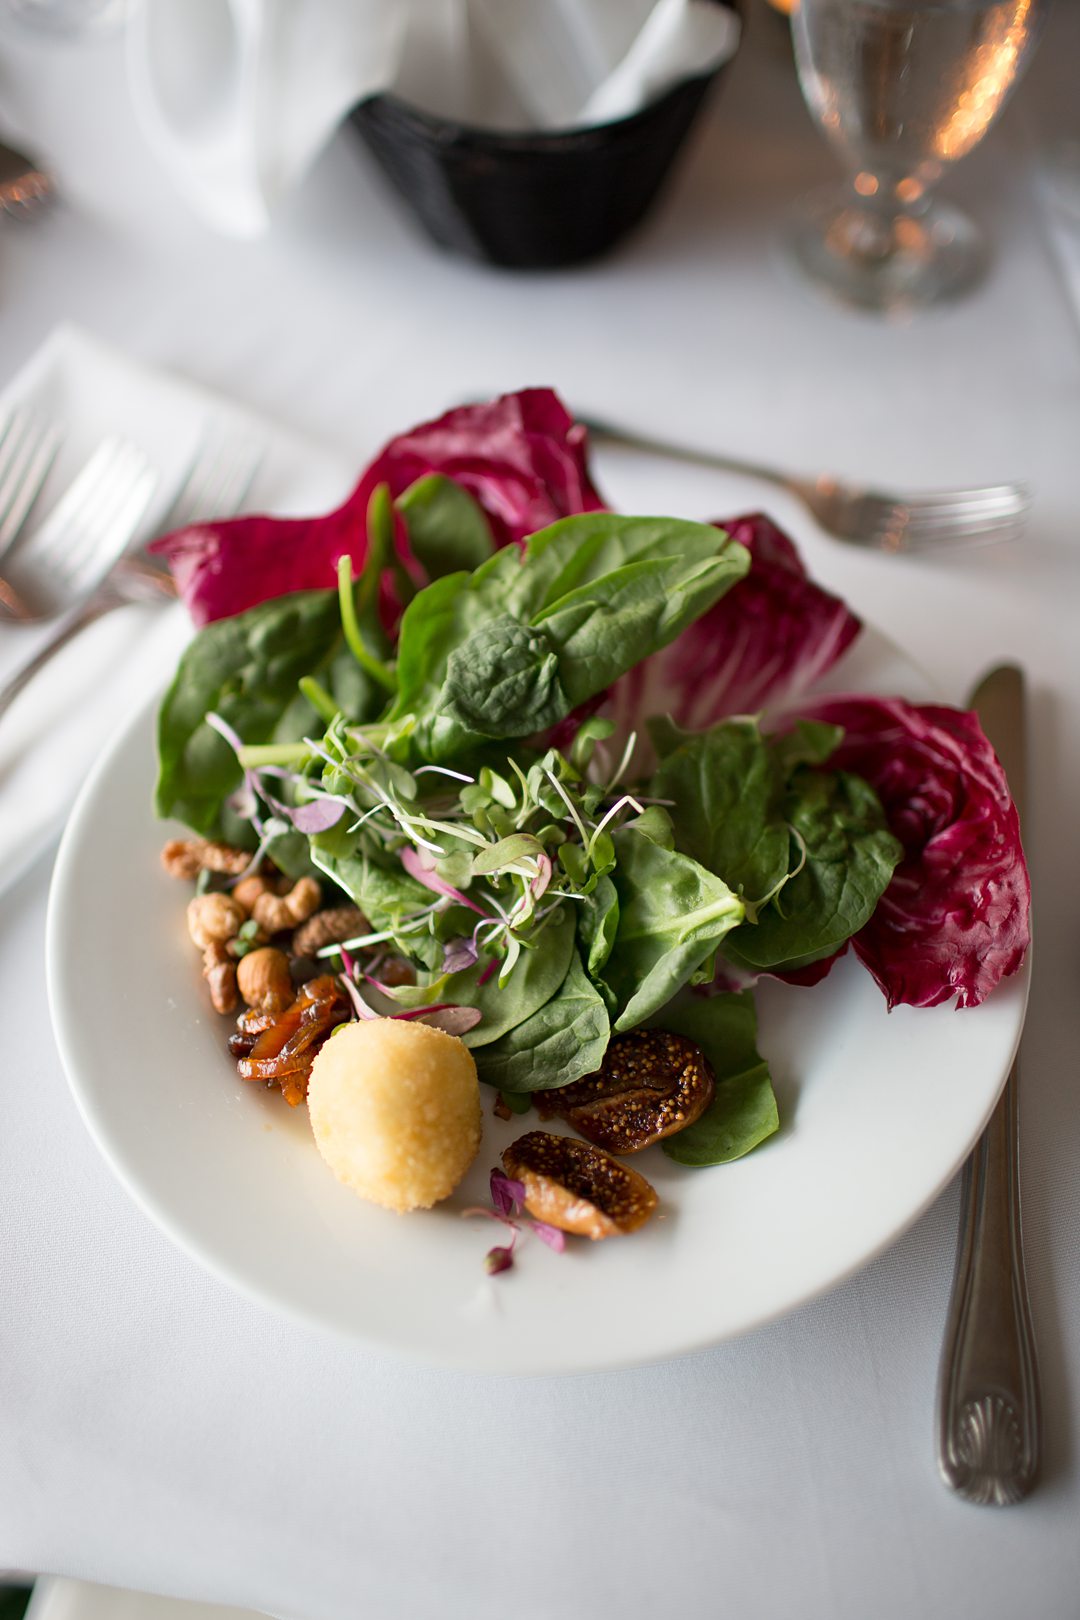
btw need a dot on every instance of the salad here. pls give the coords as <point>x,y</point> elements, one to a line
<point>562,776</point>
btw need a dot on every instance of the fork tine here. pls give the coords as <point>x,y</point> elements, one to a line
<point>215,485</point>
<point>966,523</point>
<point>27,453</point>
<point>970,505</point>
<point>970,540</point>
<point>81,490</point>
<point>235,476</point>
<point>91,538</point>
<point>959,538</point>
<point>52,543</point>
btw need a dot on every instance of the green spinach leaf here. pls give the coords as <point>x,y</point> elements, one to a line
<point>672,914</point>
<point>838,824</point>
<point>537,975</point>
<point>448,530</point>
<point>725,803</point>
<point>743,1111</point>
<point>564,1039</point>
<point>599,592</point>
<point>246,669</point>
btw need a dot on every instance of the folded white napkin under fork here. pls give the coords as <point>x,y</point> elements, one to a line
<point>60,723</point>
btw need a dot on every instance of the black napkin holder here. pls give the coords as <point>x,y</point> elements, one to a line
<point>534,200</point>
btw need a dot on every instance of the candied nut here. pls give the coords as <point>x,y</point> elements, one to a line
<point>651,1084</point>
<point>214,918</point>
<point>264,979</point>
<point>328,927</point>
<point>187,857</point>
<point>278,912</point>
<point>577,1187</point>
<point>286,1043</point>
<point>248,890</point>
<point>219,971</point>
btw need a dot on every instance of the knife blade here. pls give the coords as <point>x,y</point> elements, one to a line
<point>999,701</point>
<point>989,1419</point>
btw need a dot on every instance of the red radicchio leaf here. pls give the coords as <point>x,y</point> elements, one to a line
<point>955,918</point>
<point>769,639</point>
<point>521,457</point>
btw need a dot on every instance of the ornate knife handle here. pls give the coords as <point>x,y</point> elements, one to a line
<point>988,1389</point>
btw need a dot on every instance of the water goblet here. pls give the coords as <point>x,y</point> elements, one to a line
<point>902,89</point>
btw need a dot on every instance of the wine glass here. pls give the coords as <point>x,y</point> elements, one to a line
<point>902,89</point>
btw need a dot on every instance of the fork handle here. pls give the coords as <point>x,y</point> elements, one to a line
<point>601,429</point>
<point>66,630</point>
<point>988,1390</point>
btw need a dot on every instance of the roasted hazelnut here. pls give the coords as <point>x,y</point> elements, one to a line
<point>650,1085</point>
<point>576,1187</point>
<point>264,980</point>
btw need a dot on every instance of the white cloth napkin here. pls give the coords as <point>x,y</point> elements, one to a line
<point>59,724</point>
<point>238,96</point>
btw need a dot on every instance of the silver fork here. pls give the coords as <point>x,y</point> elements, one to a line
<point>881,520</point>
<point>28,444</point>
<point>76,545</point>
<point>215,486</point>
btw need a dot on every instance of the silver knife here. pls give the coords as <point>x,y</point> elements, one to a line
<point>988,1418</point>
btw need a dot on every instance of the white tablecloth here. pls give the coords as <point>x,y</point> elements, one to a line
<point>160,1432</point>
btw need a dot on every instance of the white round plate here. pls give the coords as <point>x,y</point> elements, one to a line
<point>878,1110</point>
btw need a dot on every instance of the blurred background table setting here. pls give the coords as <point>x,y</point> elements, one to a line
<point>294,232</point>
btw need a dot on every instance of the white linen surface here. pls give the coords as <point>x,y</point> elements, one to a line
<point>157,1430</point>
<point>238,96</point>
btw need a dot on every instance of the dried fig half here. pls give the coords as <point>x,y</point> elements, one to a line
<point>650,1085</point>
<point>577,1187</point>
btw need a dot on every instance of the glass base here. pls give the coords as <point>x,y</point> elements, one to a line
<point>880,262</point>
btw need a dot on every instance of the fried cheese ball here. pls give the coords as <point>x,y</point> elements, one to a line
<point>395,1108</point>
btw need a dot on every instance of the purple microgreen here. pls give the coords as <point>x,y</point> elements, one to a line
<point>569,803</point>
<point>507,1195</point>
<point>223,729</point>
<point>451,1020</point>
<point>627,755</point>
<point>509,962</point>
<point>244,801</point>
<point>491,968</point>
<point>360,1006</point>
<point>488,1214</point>
<point>500,1259</point>
<point>348,961</point>
<point>443,770</point>
<point>459,955</point>
<point>543,876</point>
<point>627,801</point>
<point>418,869</point>
<point>317,816</point>
<point>551,1235</point>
